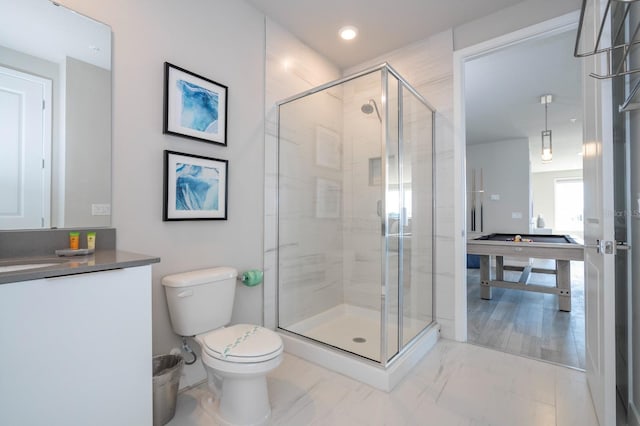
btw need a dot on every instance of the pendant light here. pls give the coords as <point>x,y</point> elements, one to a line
<point>547,153</point>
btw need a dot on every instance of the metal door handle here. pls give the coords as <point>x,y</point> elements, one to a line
<point>608,247</point>
<point>622,245</point>
<point>598,246</point>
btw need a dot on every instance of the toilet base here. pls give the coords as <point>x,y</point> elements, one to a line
<point>241,402</point>
<point>245,401</point>
<point>240,390</point>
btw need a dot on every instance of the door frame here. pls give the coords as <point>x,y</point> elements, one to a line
<point>556,25</point>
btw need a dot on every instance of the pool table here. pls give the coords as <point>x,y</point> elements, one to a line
<point>561,248</point>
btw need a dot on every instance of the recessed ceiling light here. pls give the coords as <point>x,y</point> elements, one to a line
<point>348,33</point>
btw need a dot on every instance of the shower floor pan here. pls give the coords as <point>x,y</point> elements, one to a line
<point>357,330</point>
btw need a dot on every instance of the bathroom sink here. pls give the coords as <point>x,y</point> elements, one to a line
<point>26,264</point>
<point>13,268</point>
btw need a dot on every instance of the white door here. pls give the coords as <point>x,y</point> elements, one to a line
<point>25,145</point>
<point>599,226</point>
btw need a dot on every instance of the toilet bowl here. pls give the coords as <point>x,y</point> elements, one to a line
<point>237,360</point>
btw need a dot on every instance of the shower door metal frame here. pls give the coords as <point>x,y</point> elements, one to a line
<point>402,348</point>
<point>384,291</point>
<point>385,69</point>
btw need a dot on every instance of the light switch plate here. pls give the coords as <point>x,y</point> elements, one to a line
<point>100,209</point>
<point>516,215</point>
<point>495,197</point>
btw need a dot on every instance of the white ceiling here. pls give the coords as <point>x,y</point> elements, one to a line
<point>39,28</point>
<point>383,25</point>
<point>502,93</point>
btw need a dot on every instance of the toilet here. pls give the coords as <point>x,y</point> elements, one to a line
<point>236,358</point>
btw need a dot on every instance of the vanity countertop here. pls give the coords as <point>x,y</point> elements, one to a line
<point>101,260</point>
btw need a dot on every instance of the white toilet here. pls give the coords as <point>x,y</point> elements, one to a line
<point>236,358</point>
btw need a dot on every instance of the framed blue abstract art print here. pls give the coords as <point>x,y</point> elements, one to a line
<point>195,187</point>
<point>194,107</point>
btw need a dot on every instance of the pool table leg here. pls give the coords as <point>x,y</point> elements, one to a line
<point>499,268</point>
<point>563,281</point>
<point>485,276</point>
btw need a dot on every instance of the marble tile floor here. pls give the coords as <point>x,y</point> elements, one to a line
<point>456,384</point>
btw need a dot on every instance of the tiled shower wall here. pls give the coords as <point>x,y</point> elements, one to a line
<point>291,68</point>
<point>362,239</point>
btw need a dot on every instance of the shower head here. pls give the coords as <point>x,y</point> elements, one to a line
<point>368,108</point>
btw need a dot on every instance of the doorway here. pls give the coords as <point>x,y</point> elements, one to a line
<point>511,189</point>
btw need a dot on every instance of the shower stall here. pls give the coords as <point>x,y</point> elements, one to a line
<point>356,217</point>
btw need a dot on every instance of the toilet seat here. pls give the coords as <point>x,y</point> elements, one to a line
<point>242,343</point>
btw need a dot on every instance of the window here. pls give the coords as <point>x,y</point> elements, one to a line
<point>569,205</point>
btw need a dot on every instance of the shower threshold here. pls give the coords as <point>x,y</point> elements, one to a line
<point>356,331</point>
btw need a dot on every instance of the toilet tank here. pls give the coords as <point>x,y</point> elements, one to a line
<point>200,301</point>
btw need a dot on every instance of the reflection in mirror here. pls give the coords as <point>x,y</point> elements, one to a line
<point>55,117</point>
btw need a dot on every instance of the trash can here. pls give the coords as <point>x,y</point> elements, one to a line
<point>166,378</point>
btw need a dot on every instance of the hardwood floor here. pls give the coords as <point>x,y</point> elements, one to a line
<point>529,323</point>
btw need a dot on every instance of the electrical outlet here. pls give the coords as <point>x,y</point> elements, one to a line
<point>495,197</point>
<point>516,215</point>
<point>100,209</point>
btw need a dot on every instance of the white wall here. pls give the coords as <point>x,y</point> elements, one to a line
<point>543,186</point>
<point>202,36</point>
<point>505,169</point>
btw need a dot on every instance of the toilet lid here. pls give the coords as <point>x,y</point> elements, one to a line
<point>243,343</point>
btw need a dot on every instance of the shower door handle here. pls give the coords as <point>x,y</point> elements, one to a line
<point>380,212</point>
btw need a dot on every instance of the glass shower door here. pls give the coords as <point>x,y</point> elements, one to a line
<point>330,186</point>
<point>416,195</point>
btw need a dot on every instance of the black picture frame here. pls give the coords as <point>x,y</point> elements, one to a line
<point>195,187</point>
<point>195,107</point>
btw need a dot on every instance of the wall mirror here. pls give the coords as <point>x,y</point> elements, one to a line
<point>55,117</point>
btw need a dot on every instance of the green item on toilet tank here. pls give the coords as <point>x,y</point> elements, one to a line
<point>252,277</point>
